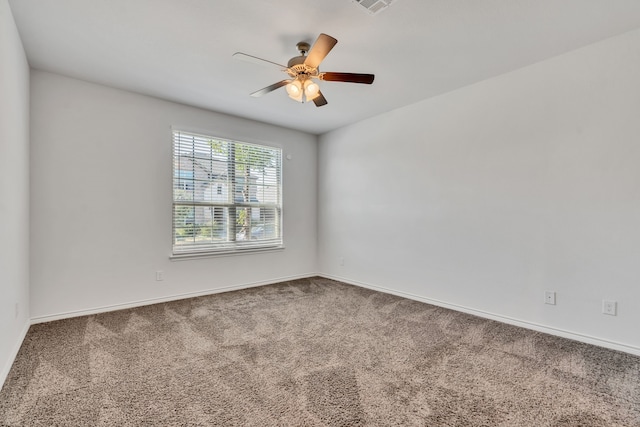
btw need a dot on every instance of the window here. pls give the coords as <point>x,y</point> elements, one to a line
<point>227,195</point>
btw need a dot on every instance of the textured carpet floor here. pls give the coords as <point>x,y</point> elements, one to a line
<point>311,352</point>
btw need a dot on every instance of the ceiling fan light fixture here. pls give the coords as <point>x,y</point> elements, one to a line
<point>303,70</point>
<point>303,89</point>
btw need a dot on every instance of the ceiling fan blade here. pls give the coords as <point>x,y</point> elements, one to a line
<point>270,88</point>
<point>347,77</point>
<point>319,50</point>
<point>320,100</point>
<point>254,59</point>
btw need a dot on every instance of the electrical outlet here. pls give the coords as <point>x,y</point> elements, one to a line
<point>159,276</point>
<point>17,310</point>
<point>342,261</point>
<point>610,308</point>
<point>550,297</point>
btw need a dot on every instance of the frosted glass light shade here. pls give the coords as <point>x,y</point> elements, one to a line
<point>311,89</point>
<point>294,89</point>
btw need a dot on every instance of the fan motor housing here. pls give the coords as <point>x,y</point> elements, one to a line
<point>296,60</point>
<point>297,68</point>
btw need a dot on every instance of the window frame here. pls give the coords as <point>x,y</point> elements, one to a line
<point>232,243</point>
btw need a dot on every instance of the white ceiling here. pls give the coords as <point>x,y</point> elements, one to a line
<point>181,50</point>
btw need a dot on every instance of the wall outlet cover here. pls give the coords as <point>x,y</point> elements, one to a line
<point>610,307</point>
<point>550,297</point>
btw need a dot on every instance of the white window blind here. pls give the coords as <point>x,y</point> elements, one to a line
<point>227,195</point>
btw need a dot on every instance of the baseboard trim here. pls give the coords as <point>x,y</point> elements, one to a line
<point>497,317</point>
<point>14,353</point>
<point>175,297</point>
<point>487,315</point>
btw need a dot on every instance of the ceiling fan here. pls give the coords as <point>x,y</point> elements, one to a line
<point>303,70</point>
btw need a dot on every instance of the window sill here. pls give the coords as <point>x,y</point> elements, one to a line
<point>198,255</point>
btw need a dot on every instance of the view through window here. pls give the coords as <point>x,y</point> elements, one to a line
<point>227,195</point>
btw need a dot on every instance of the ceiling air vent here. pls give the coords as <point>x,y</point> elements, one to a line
<point>375,6</point>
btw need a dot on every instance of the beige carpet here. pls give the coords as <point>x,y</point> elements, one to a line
<point>311,352</point>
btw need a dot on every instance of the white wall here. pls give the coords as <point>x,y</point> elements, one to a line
<point>14,191</point>
<point>101,200</point>
<point>485,197</point>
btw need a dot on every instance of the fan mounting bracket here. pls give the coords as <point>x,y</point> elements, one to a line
<point>303,48</point>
